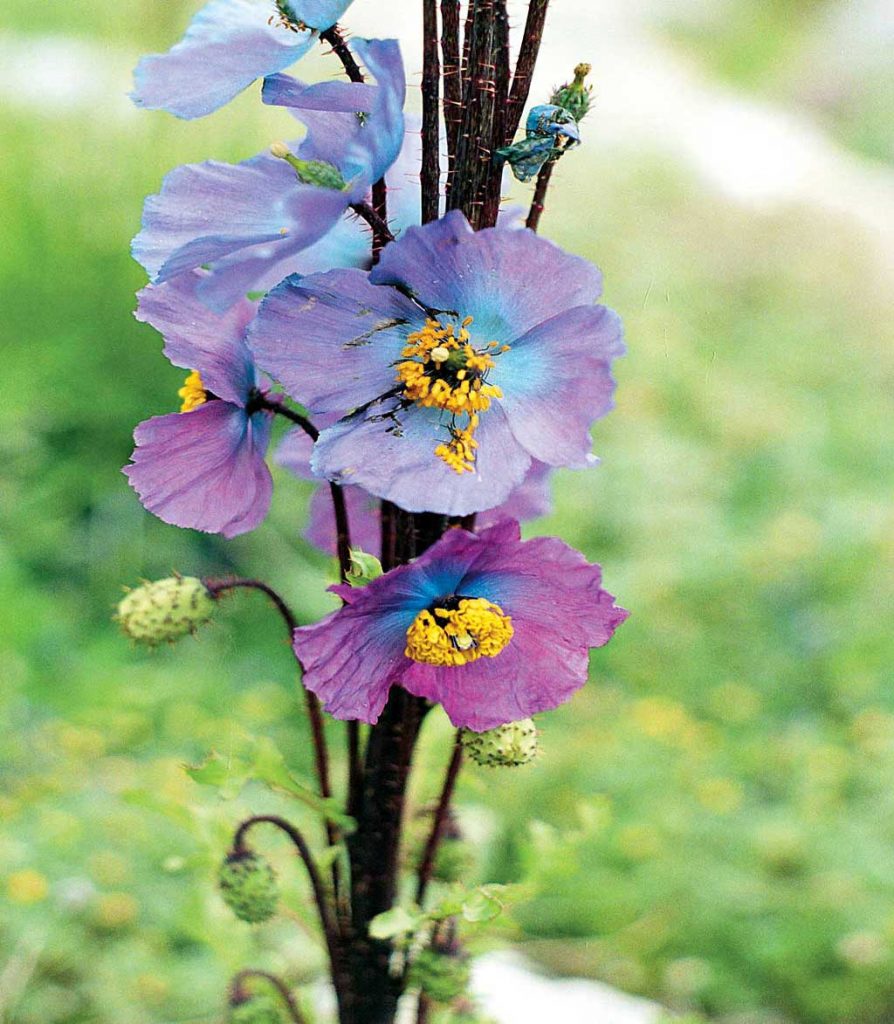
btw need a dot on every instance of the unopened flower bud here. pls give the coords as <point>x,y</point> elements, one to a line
<point>364,568</point>
<point>165,610</point>
<point>248,886</point>
<point>440,976</point>
<point>575,96</point>
<point>310,172</point>
<point>256,1010</point>
<point>509,745</point>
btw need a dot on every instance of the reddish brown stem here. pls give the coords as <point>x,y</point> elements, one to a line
<point>427,863</point>
<point>452,81</point>
<point>239,995</point>
<point>524,66</point>
<point>333,36</point>
<point>539,201</point>
<point>431,70</point>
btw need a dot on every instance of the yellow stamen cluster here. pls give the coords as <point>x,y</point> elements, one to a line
<point>476,628</point>
<point>192,392</point>
<point>441,370</point>
<point>283,19</point>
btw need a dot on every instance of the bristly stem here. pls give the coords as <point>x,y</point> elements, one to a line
<point>491,208</point>
<point>238,994</point>
<point>375,221</point>
<point>452,79</point>
<point>427,863</point>
<point>380,207</point>
<point>524,66</point>
<point>431,72</point>
<point>321,899</point>
<point>340,48</point>
<point>539,201</point>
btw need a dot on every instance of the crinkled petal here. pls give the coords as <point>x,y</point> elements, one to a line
<point>532,499</point>
<point>339,97</point>
<point>377,144</point>
<point>557,380</point>
<point>208,211</point>
<point>332,339</point>
<point>559,611</point>
<point>197,338</point>
<point>496,276</point>
<point>367,450</point>
<point>204,469</point>
<point>227,45</point>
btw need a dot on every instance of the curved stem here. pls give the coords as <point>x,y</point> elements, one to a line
<point>340,48</point>
<point>324,909</point>
<point>295,417</point>
<point>427,864</point>
<point>237,991</point>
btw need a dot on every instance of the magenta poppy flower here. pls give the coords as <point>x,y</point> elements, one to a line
<point>493,628</point>
<point>204,467</point>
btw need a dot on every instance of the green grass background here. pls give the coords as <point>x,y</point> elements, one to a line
<point>711,823</point>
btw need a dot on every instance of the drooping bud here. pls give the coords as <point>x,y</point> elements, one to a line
<point>165,610</point>
<point>551,120</point>
<point>310,172</point>
<point>574,96</point>
<point>256,1010</point>
<point>527,156</point>
<point>508,746</point>
<point>440,976</point>
<point>248,886</point>
<point>364,568</point>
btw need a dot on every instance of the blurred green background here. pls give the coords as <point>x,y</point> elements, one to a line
<point>712,821</point>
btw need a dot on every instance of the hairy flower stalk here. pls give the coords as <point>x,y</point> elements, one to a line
<point>432,365</point>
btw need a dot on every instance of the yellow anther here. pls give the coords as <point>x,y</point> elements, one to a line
<point>193,392</point>
<point>440,369</point>
<point>476,628</point>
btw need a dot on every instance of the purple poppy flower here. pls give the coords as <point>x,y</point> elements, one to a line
<point>227,46</point>
<point>457,364</point>
<point>204,467</point>
<point>251,222</point>
<point>492,627</point>
<point>530,500</point>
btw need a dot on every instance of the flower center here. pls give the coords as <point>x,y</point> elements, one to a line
<point>193,392</point>
<point>457,631</point>
<point>441,369</point>
<point>284,18</point>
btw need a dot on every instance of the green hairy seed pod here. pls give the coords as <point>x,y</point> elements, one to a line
<point>248,886</point>
<point>508,746</point>
<point>165,610</point>
<point>575,96</point>
<point>257,1010</point>
<point>441,977</point>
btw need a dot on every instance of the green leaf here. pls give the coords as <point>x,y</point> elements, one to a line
<point>482,905</point>
<point>228,774</point>
<point>394,922</point>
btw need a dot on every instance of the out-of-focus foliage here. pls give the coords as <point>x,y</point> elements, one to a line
<point>714,820</point>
